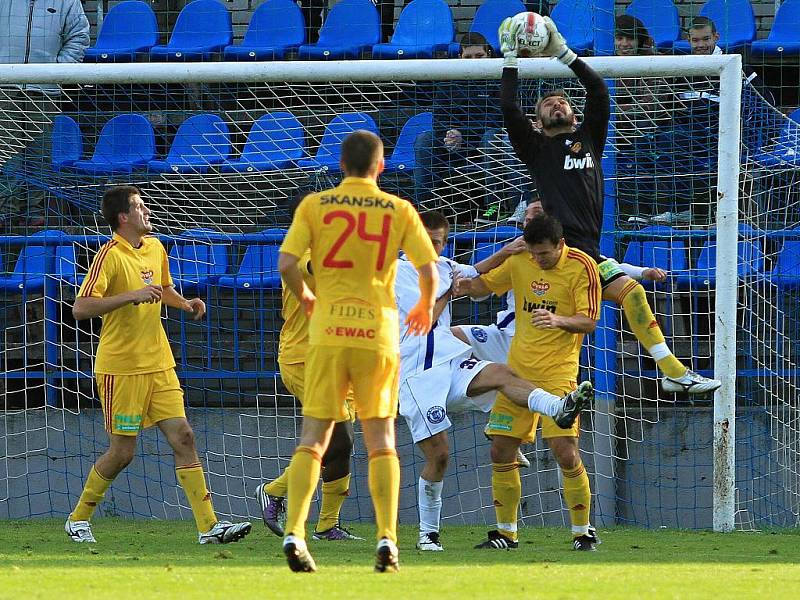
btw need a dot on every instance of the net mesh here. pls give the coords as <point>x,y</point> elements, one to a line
<point>221,210</point>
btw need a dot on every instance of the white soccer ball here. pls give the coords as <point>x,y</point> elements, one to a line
<point>532,36</point>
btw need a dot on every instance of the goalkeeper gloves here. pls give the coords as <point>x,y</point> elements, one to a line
<point>557,46</point>
<point>507,33</point>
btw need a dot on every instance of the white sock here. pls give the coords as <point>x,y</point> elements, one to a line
<point>578,530</point>
<point>544,402</point>
<point>659,351</point>
<point>430,505</point>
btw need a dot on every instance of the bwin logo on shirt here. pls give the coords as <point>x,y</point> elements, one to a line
<point>578,163</point>
<point>436,414</point>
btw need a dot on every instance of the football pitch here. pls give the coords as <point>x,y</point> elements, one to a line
<point>161,559</point>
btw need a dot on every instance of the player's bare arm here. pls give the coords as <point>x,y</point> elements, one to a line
<point>474,288</point>
<point>88,307</point>
<point>579,323</point>
<point>293,278</point>
<point>420,317</point>
<point>171,297</point>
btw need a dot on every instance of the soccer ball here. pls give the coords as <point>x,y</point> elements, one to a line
<point>532,36</point>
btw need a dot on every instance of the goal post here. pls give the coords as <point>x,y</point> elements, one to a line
<point>727,69</point>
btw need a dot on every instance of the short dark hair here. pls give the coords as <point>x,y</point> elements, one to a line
<point>433,220</point>
<point>117,200</point>
<point>474,38</point>
<point>701,22</point>
<point>543,228</point>
<point>631,27</point>
<point>361,151</point>
<point>557,92</point>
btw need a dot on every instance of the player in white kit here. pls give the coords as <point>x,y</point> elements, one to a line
<point>439,376</point>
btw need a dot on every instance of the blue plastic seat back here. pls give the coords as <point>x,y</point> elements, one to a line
<point>669,255</point>
<point>66,263</point>
<point>351,23</point>
<point>276,136</point>
<point>750,258</point>
<point>125,138</point>
<point>484,250</point>
<point>790,133</point>
<point>128,26</point>
<point>202,23</point>
<point>787,22</point>
<point>342,125</point>
<point>733,19</point>
<point>201,138</point>
<point>32,261</point>
<point>276,23</point>
<point>404,149</point>
<point>424,22</point>
<point>575,21</point>
<point>67,141</point>
<point>195,262</point>
<point>489,16</point>
<point>260,259</point>
<point>787,263</point>
<point>660,18</point>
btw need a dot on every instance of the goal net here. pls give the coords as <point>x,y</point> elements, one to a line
<point>220,150</point>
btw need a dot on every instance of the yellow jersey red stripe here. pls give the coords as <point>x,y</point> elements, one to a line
<point>97,265</point>
<point>594,280</point>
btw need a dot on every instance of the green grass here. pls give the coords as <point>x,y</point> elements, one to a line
<point>145,559</point>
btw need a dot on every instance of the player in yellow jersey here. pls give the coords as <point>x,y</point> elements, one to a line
<point>292,350</point>
<point>127,285</point>
<point>557,293</point>
<point>355,232</point>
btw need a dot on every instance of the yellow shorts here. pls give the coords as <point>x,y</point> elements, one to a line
<point>511,420</point>
<point>331,371</point>
<point>293,377</point>
<point>134,402</point>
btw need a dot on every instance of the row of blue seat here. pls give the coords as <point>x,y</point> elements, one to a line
<point>352,27</point>
<point>275,141</point>
<point>195,265</point>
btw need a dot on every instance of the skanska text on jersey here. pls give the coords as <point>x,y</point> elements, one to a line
<point>361,201</point>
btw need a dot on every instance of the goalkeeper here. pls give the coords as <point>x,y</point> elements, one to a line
<point>564,157</point>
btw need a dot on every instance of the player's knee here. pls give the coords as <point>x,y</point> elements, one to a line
<point>336,460</point>
<point>566,456</point>
<point>184,438</point>
<point>121,456</point>
<point>495,375</point>
<point>439,459</point>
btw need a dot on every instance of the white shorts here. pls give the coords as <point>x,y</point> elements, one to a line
<point>426,399</point>
<point>488,342</point>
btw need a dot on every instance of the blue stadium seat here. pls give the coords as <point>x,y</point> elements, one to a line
<point>669,255</point>
<point>784,37</point>
<point>484,250</point>
<point>66,265</point>
<point>786,150</point>
<point>259,269</point>
<point>327,157</point>
<point>276,141</point>
<point>201,142</point>
<point>202,29</point>
<point>750,257</point>
<point>129,29</point>
<point>67,142</point>
<point>424,27</point>
<point>487,21</point>
<point>126,143</point>
<point>735,23</point>
<point>195,265</point>
<point>402,158</point>
<point>575,21</point>
<point>661,19</point>
<point>351,28</point>
<point>787,266</point>
<point>276,27</point>
<point>33,264</point>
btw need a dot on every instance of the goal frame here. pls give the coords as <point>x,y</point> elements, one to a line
<point>727,67</point>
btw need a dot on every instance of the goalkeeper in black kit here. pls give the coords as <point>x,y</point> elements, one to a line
<point>564,158</point>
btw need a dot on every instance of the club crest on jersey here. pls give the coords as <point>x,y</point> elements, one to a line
<point>147,276</point>
<point>576,147</point>
<point>436,414</point>
<point>479,334</point>
<point>540,287</point>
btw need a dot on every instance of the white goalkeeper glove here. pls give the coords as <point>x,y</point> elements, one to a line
<point>557,46</point>
<point>507,34</point>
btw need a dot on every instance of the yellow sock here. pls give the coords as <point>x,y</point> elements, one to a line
<point>384,487</point>
<point>578,497</point>
<point>303,474</point>
<point>506,492</point>
<point>193,482</point>
<point>647,330</point>
<point>279,486</point>
<point>333,495</point>
<point>92,495</point>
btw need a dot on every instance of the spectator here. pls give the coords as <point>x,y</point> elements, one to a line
<point>466,124</point>
<point>703,37</point>
<point>631,37</point>
<point>35,31</point>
